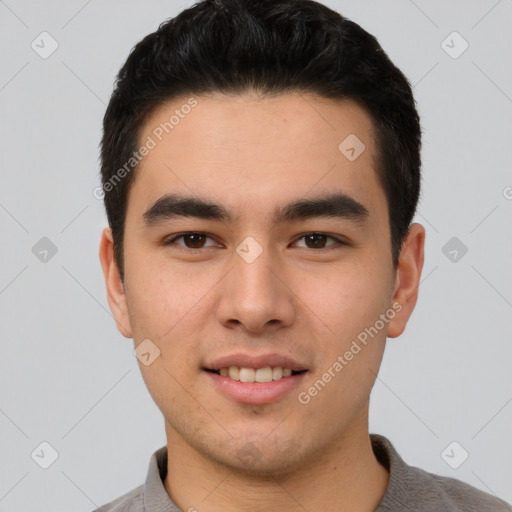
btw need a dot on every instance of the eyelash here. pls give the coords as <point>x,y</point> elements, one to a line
<point>171,241</point>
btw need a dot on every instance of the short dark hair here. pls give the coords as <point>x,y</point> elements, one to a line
<point>274,47</point>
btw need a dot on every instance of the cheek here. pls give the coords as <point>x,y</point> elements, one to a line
<point>163,297</point>
<point>167,305</point>
<point>350,297</point>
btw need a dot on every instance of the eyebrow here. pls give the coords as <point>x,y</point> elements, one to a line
<point>337,205</point>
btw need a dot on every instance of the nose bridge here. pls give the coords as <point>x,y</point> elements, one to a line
<point>252,270</point>
<point>255,296</point>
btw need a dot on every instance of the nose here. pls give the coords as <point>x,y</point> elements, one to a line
<point>256,296</point>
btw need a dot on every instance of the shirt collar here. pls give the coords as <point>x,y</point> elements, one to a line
<point>156,498</point>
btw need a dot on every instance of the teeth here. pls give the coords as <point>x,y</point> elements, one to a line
<point>234,373</point>
<point>263,374</point>
<point>247,375</point>
<point>277,373</point>
<point>266,374</point>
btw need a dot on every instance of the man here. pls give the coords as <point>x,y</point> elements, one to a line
<point>261,169</point>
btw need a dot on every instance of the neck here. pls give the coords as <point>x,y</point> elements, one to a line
<point>347,477</point>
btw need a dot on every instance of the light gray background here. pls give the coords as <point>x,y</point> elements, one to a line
<point>69,378</point>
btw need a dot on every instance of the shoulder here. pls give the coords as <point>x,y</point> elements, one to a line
<point>457,496</point>
<point>412,488</point>
<point>132,501</point>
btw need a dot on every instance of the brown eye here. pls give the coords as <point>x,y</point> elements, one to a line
<point>195,240</point>
<point>318,241</point>
<point>190,240</point>
<point>315,240</point>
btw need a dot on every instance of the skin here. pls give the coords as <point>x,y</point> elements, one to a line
<point>252,154</point>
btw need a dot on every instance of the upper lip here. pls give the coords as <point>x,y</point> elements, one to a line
<point>255,361</point>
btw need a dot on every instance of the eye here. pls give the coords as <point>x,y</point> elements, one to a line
<point>196,240</point>
<point>318,240</point>
<point>191,240</point>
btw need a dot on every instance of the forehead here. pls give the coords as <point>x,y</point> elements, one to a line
<point>271,149</point>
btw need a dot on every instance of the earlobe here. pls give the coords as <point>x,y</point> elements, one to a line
<point>407,279</point>
<point>115,289</point>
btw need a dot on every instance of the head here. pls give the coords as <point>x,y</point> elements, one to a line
<point>283,136</point>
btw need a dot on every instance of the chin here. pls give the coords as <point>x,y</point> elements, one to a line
<point>262,459</point>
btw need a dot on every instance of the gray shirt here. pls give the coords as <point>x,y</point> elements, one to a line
<point>409,489</point>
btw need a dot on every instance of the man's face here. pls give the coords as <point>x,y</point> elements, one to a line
<point>259,289</point>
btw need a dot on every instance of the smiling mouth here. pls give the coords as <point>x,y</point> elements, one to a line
<point>261,375</point>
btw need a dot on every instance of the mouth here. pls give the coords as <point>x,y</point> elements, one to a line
<point>255,379</point>
<point>261,375</point>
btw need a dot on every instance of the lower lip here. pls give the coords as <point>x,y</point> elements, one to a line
<point>256,393</point>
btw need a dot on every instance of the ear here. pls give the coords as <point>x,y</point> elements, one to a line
<point>407,280</point>
<point>115,288</point>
